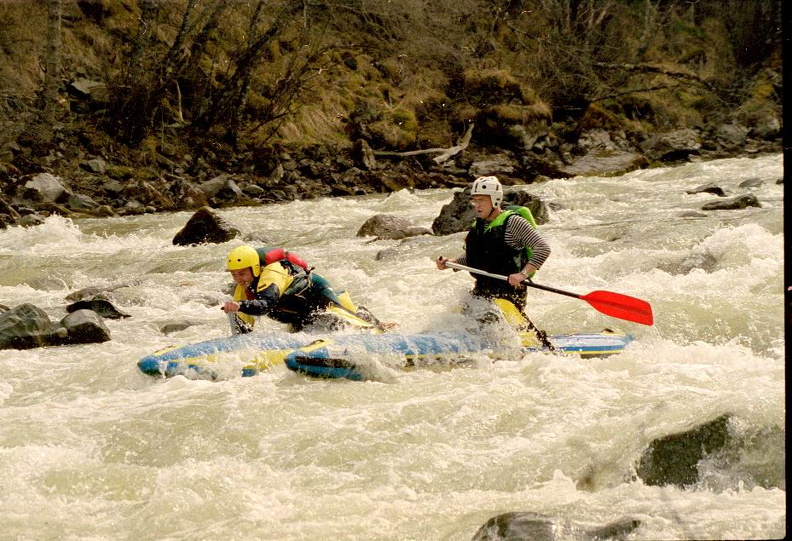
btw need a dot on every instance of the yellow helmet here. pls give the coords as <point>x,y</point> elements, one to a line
<point>243,257</point>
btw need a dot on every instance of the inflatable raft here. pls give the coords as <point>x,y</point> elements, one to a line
<point>246,354</point>
<point>347,356</point>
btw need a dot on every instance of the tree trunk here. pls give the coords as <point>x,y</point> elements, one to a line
<point>52,64</point>
<point>137,98</point>
<point>231,104</point>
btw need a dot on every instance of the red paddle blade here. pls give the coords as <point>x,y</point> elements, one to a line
<point>620,306</point>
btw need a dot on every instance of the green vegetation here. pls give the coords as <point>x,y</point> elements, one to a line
<point>220,78</point>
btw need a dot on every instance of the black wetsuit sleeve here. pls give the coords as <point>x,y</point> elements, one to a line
<point>264,303</point>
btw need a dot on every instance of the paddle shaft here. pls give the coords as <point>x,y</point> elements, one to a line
<point>526,282</point>
<point>232,323</point>
<point>612,304</point>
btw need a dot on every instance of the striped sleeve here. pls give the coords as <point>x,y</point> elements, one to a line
<point>520,234</point>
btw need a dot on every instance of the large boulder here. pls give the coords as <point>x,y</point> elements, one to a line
<point>205,226</point>
<point>385,226</point>
<point>27,326</point>
<point>458,215</point>
<point>187,196</point>
<point>730,136</point>
<point>708,188</point>
<point>672,146</point>
<point>604,163</point>
<point>674,459</point>
<point>94,292</point>
<point>363,155</point>
<point>85,327</point>
<point>528,526</point>
<point>102,307</point>
<point>499,165</point>
<point>142,193</point>
<point>44,188</point>
<point>222,188</point>
<point>766,126</point>
<point>94,92</point>
<point>735,203</point>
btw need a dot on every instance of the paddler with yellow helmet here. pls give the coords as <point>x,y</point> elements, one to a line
<point>284,289</point>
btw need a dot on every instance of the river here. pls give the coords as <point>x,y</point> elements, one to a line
<point>91,448</point>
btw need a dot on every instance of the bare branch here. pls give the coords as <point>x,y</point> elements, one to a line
<point>648,68</point>
<point>445,153</point>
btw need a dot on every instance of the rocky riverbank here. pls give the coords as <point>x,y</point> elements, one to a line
<point>100,184</point>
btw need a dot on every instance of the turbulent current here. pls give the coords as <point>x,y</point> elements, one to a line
<point>91,448</point>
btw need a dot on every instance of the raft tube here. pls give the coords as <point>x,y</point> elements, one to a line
<point>206,360</point>
<point>344,357</point>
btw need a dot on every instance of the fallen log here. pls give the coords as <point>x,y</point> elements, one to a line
<point>444,153</point>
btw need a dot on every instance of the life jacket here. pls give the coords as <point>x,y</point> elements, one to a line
<point>525,212</point>
<point>296,293</point>
<point>486,249</point>
<point>269,255</point>
<point>275,274</point>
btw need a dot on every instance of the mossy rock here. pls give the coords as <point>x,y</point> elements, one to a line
<point>120,172</point>
<point>146,174</point>
<point>600,118</point>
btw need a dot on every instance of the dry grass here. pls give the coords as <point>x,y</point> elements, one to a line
<point>428,69</point>
<point>21,43</point>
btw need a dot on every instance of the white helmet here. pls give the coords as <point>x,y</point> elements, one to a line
<point>490,186</point>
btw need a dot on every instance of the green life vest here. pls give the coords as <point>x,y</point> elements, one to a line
<point>525,212</point>
<point>508,210</point>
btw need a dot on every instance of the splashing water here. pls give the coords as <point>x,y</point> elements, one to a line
<point>92,448</point>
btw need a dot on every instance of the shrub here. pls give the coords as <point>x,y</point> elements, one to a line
<point>396,130</point>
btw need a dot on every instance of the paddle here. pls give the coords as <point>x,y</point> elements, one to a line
<point>342,312</point>
<point>238,326</point>
<point>232,322</point>
<point>349,316</point>
<point>607,302</point>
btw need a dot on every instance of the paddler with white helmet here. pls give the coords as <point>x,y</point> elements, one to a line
<point>500,242</point>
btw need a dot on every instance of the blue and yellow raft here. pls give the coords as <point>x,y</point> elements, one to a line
<point>206,360</point>
<point>345,355</point>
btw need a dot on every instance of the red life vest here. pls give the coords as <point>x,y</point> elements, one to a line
<point>271,255</point>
